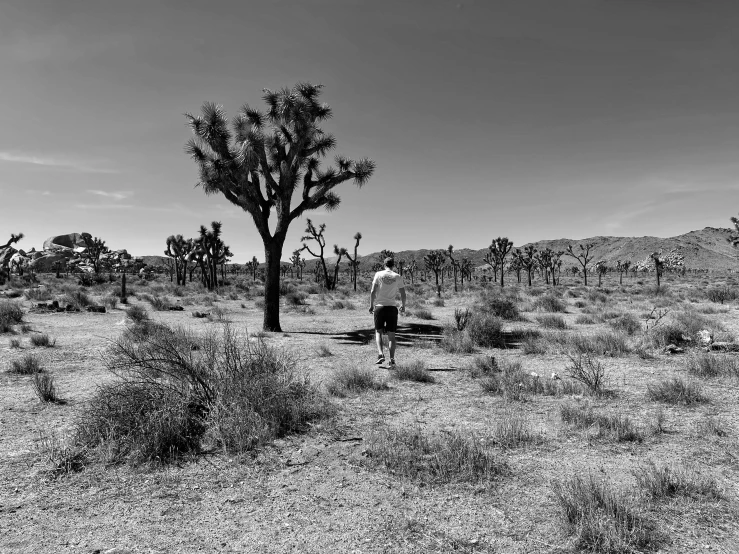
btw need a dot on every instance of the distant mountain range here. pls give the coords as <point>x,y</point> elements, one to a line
<point>704,249</point>
<point>707,248</point>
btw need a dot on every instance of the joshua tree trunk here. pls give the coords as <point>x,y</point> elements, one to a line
<point>272,255</point>
<point>123,287</point>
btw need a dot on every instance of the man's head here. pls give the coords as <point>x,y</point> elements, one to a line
<point>389,263</point>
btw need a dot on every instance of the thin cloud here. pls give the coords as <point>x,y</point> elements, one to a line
<point>114,195</point>
<point>38,192</point>
<point>104,206</point>
<point>51,162</point>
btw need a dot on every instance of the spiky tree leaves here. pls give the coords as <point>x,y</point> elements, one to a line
<point>339,252</point>
<point>583,257</point>
<point>601,268</point>
<point>259,161</point>
<point>435,261</point>
<point>454,263</point>
<point>252,266</point>
<point>13,240</point>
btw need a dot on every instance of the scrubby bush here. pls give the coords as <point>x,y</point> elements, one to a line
<point>486,330</point>
<point>158,303</point>
<point>584,319</point>
<point>296,298</point>
<point>504,308</point>
<point>619,427</point>
<point>175,387</point>
<point>455,341</point>
<point>721,294</point>
<point>11,314</point>
<point>79,299</point>
<point>137,313</point>
<point>513,430</point>
<point>589,371</point>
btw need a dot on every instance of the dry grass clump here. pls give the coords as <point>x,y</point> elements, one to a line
<point>27,365</point>
<point>513,430</point>
<point>551,321</point>
<point>11,314</point>
<point>174,387</point>
<point>433,459</point>
<point>620,428</point>
<point>676,391</point>
<point>626,323</point>
<point>137,313</point>
<point>602,520</point>
<point>63,459</point>
<point>549,303</point>
<point>323,351</point>
<point>157,302</point>
<point>77,298</point>
<point>413,371</point>
<point>354,379</point>
<point>704,364</point>
<point>509,380</point>
<point>43,340</point>
<point>711,425</point>
<point>296,298</point>
<point>43,385</point>
<point>668,482</point>
<point>422,313</point>
<point>585,319</point>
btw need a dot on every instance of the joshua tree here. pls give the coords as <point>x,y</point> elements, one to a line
<point>465,268</point>
<point>498,250</point>
<point>339,252</point>
<point>454,263</point>
<point>601,268</point>
<point>95,248</point>
<point>516,266</point>
<point>13,240</point>
<point>554,262</point>
<point>527,259</point>
<point>491,260</point>
<point>411,269</point>
<point>733,239</point>
<point>252,266</point>
<point>259,164</point>
<point>658,265</point>
<point>297,263</point>
<point>622,267</point>
<point>583,258</point>
<point>179,249</point>
<point>435,261</point>
<point>354,261</point>
<point>317,235</point>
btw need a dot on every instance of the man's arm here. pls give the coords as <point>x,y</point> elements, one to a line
<point>402,300</point>
<point>373,293</point>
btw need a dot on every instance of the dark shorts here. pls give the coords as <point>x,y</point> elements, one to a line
<point>386,318</point>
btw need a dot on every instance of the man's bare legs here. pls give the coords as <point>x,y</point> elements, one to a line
<point>391,341</point>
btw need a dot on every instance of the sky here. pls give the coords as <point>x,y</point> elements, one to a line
<point>531,119</point>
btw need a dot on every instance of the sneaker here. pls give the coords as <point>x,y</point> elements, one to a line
<point>391,365</point>
<point>380,360</point>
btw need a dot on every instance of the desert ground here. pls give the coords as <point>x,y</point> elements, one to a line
<point>450,452</point>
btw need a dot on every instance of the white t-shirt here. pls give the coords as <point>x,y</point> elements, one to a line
<point>386,284</point>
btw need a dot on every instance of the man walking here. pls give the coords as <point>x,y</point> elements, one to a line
<point>385,287</point>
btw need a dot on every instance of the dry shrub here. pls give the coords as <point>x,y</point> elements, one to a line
<point>413,371</point>
<point>601,519</point>
<point>43,385</point>
<point>486,330</point>
<point>551,321</point>
<point>513,430</point>
<point>676,391</point>
<point>11,314</point>
<point>174,387</point>
<point>704,364</point>
<point>354,379</point>
<point>668,482</point>
<point>27,365</point>
<point>455,341</point>
<point>549,303</point>
<point>452,457</point>
<point>43,340</point>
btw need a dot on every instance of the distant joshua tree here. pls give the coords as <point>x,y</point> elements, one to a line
<point>95,248</point>
<point>252,266</point>
<point>354,262</point>
<point>297,263</point>
<point>411,269</point>
<point>316,234</point>
<point>435,261</point>
<point>527,259</point>
<point>733,239</point>
<point>498,250</point>
<point>583,257</point>
<point>454,263</point>
<point>622,267</point>
<point>5,267</point>
<point>601,268</point>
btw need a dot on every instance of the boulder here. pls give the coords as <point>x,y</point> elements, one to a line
<point>724,347</point>
<point>96,309</point>
<point>45,262</point>
<point>64,242</point>
<point>705,338</point>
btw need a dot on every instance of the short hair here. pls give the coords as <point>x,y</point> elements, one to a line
<point>389,262</point>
